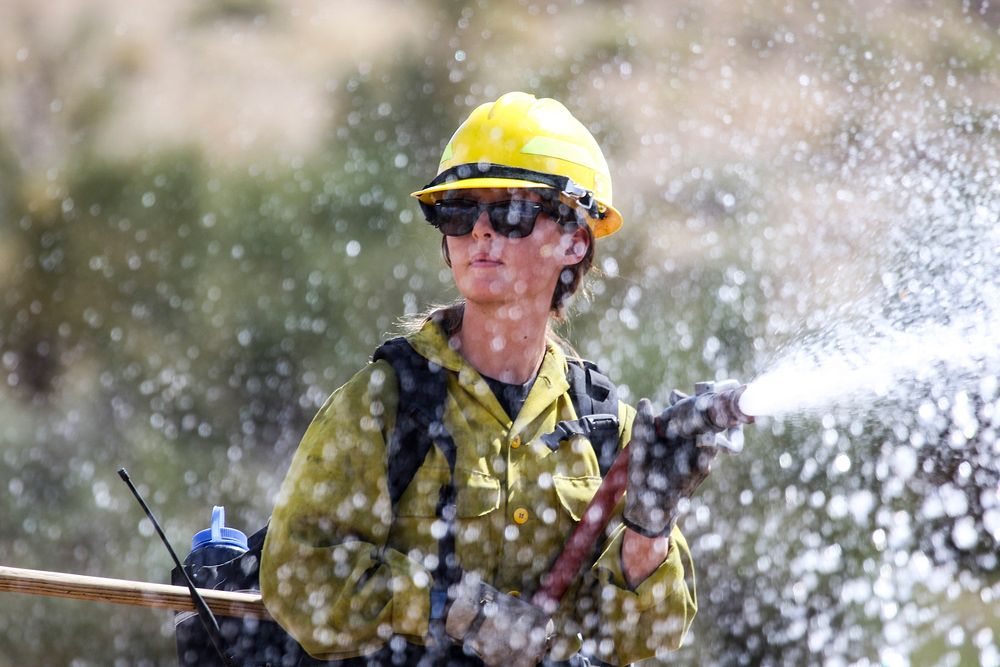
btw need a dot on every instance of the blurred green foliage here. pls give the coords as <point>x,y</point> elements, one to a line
<point>182,310</point>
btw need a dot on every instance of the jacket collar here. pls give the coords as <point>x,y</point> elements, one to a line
<point>432,344</point>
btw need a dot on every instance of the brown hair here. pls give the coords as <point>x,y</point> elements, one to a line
<point>571,279</point>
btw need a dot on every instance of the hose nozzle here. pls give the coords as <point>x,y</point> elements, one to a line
<point>724,407</point>
<point>715,407</point>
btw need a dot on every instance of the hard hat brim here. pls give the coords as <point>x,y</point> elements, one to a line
<point>427,194</point>
<point>609,224</point>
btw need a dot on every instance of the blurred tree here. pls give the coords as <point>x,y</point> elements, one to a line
<point>180,300</point>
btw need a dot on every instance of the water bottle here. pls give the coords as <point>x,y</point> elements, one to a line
<point>216,545</point>
<point>211,550</point>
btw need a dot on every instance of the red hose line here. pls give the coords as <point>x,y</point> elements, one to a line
<point>580,544</point>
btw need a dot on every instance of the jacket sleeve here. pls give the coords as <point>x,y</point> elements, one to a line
<point>635,624</point>
<point>325,575</point>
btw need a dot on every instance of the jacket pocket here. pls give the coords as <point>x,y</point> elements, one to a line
<point>575,493</point>
<point>478,496</point>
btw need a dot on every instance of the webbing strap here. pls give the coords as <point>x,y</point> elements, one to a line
<point>419,417</point>
<point>423,391</point>
<point>593,393</point>
<point>562,184</point>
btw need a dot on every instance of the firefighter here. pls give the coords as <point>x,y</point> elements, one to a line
<point>522,195</point>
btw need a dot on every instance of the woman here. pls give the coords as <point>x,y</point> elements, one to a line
<point>521,195</point>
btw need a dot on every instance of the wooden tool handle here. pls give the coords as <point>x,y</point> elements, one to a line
<point>121,591</point>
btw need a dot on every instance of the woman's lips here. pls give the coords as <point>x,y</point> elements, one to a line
<point>484,261</point>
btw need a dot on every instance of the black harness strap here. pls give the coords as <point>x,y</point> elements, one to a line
<point>423,392</point>
<point>595,399</point>
<point>419,417</point>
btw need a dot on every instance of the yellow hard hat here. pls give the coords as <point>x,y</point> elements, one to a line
<point>521,141</point>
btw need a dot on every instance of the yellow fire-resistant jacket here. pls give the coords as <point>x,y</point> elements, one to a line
<point>342,574</point>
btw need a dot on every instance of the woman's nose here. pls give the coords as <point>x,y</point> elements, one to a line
<point>483,227</point>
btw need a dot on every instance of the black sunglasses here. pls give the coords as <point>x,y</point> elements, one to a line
<point>513,219</point>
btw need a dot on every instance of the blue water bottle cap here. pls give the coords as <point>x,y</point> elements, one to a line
<point>218,534</point>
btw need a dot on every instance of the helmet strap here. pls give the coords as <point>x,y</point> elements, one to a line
<point>565,186</point>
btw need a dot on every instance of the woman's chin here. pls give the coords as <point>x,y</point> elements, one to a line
<point>488,295</point>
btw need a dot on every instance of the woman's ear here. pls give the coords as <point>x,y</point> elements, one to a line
<point>577,245</point>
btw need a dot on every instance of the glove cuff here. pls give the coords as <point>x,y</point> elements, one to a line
<point>646,531</point>
<point>461,612</point>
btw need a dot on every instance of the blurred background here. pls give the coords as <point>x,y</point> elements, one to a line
<point>205,229</point>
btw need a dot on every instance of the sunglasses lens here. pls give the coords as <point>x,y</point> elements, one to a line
<point>455,217</point>
<point>514,219</point>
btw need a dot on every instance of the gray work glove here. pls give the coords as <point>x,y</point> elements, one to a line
<point>501,629</point>
<point>663,469</point>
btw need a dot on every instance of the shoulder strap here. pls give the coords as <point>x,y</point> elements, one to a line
<point>423,390</point>
<point>593,393</point>
<point>419,415</point>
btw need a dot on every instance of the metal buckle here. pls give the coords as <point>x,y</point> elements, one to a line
<point>583,196</point>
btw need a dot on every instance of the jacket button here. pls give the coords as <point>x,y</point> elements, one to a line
<point>520,515</point>
<point>516,442</point>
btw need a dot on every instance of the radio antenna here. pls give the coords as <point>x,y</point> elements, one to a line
<point>204,612</point>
